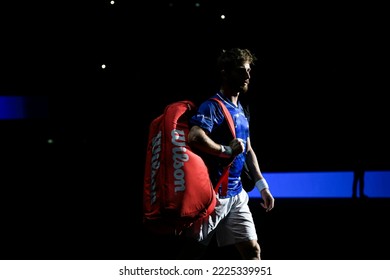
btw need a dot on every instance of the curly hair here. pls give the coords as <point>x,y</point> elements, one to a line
<point>235,57</point>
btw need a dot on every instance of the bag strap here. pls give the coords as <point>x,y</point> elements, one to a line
<point>225,173</point>
<point>228,116</point>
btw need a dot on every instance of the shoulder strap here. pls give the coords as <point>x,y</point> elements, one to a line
<point>225,174</point>
<point>228,116</point>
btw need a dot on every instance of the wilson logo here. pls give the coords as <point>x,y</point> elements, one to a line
<point>155,165</point>
<point>179,156</point>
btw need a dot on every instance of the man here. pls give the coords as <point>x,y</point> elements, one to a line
<point>232,221</point>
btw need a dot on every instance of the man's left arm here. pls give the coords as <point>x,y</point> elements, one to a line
<point>261,184</point>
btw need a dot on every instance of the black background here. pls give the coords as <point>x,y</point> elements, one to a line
<point>318,92</point>
<point>318,98</point>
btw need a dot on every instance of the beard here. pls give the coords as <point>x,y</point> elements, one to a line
<point>242,89</point>
<point>239,87</point>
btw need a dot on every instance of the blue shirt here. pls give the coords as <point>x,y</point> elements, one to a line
<point>210,117</point>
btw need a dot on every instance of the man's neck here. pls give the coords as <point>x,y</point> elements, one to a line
<point>233,97</point>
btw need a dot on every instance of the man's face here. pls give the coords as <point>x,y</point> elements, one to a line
<point>238,78</point>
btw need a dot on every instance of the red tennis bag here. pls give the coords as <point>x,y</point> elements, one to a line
<point>177,187</point>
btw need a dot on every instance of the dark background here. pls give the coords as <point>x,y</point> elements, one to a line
<point>318,100</point>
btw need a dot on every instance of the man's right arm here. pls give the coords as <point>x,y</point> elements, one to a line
<point>199,139</point>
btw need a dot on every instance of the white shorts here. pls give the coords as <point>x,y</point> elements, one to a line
<point>231,221</point>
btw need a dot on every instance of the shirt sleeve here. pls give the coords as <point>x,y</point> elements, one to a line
<point>208,115</point>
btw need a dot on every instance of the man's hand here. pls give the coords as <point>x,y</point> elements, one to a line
<point>237,146</point>
<point>268,199</point>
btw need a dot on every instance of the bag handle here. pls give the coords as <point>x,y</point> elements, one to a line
<point>225,173</point>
